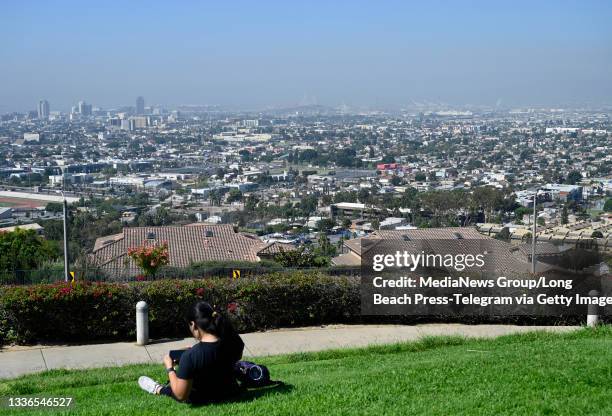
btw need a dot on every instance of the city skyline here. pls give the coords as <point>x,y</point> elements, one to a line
<point>243,55</point>
<point>297,176</point>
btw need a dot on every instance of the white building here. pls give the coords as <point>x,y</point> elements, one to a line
<point>31,137</point>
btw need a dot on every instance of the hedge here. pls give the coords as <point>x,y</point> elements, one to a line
<point>95,311</point>
<point>86,312</point>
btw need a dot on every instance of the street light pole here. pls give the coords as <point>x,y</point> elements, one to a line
<point>533,237</point>
<point>65,205</point>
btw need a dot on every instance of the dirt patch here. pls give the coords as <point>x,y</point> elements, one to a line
<point>21,203</point>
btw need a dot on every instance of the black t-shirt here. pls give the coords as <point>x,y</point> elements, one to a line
<point>211,367</point>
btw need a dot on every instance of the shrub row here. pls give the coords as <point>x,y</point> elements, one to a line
<point>89,312</point>
<point>98,311</point>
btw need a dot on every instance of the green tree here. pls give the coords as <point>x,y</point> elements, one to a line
<point>234,195</point>
<point>504,234</point>
<point>325,247</point>
<point>489,199</point>
<point>54,207</point>
<point>251,203</point>
<point>375,224</point>
<point>158,217</point>
<point>564,215</point>
<point>574,177</point>
<point>308,204</point>
<point>345,196</point>
<point>325,224</point>
<point>301,257</point>
<point>326,200</point>
<point>363,195</point>
<point>24,250</point>
<point>214,196</point>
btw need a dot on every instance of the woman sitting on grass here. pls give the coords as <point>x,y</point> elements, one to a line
<point>206,370</point>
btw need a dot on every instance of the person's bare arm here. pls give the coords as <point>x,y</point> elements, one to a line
<point>180,388</point>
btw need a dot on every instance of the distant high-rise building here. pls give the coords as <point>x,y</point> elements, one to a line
<point>84,108</point>
<point>139,122</point>
<point>43,109</point>
<point>139,105</point>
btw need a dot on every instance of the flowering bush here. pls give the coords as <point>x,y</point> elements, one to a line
<point>86,311</point>
<point>89,312</point>
<point>150,257</point>
<point>66,311</point>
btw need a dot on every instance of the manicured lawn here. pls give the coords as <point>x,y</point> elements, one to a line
<point>530,374</point>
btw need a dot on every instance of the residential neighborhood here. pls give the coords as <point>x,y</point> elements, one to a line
<point>307,175</point>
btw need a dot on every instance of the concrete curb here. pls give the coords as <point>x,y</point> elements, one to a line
<point>26,360</point>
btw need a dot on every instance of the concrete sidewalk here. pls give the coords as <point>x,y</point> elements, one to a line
<point>15,361</point>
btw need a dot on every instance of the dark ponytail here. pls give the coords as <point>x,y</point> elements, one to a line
<point>213,322</point>
<point>208,319</point>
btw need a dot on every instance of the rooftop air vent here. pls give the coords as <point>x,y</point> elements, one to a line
<point>208,233</point>
<point>150,235</point>
<point>458,236</point>
<point>405,238</point>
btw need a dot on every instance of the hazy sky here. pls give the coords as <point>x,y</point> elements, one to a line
<point>277,53</point>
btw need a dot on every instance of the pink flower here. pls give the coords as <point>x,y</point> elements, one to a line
<point>200,291</point>
<point>231,307</point>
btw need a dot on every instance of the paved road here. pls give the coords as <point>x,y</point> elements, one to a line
<point>15,361</point>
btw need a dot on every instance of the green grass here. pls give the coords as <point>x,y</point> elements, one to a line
<point>527,374</point>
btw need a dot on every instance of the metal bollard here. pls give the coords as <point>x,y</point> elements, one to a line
<point>593,311</point>
<point>142,323</point>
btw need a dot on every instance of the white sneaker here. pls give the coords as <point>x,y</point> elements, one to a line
<point>148,384</point>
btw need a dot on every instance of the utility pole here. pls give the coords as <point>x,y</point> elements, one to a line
<point>65,205</point>
<point>533,237</point>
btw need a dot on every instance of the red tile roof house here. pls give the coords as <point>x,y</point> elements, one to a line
<point>504,256</point>
<point>188,244</point>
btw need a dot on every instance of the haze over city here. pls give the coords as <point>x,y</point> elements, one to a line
<point>359,196</point>
<point>254,55</point>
